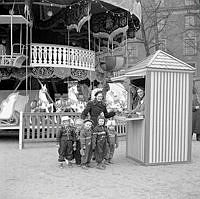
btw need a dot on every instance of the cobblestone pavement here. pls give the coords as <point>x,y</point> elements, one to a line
<point>33,173</point>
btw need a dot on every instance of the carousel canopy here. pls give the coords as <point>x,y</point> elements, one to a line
<point>133,6</point>
<point>64,23</point>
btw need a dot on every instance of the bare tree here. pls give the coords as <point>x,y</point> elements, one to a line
<point>153,23</point>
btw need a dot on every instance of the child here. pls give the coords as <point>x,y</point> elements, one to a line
<point>100,142</point>
<point>113,139</point>
<point>66,141</point>
<point>78,125</point>
<point>86,143</point>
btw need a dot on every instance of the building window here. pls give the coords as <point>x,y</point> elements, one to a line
<point>133,51</point>
<point>190,34</point>
<point>162,44</point>
<point>189,2</point>
<point>190,46</point>
<point>159,2</point>
<point>189,21</point>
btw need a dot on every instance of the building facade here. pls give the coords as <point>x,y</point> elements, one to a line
<point>171,26</point>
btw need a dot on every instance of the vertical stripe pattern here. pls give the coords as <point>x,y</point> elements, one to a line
<point>169,112</point>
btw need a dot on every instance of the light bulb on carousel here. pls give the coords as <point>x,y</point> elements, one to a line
<point>50,12</point>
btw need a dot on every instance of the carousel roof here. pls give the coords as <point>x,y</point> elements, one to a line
<point>133,6</point>
<point>108,18</point>
<point>63,22</point>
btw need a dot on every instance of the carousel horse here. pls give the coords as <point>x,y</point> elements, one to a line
<point>44,104</point>
<point>76,104</point>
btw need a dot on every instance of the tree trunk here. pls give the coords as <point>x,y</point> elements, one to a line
<point>146,44</point>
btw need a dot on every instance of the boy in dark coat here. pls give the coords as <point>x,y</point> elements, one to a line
<point>78,126</point>
<point>100,142</point>
<point>66,141</point>
<point>95,108</point>
<point>113,139</point>
<point>86,144</point>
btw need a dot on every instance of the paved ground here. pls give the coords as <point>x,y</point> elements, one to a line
<point>33,174</point>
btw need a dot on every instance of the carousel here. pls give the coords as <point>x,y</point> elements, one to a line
<point>54,54</point>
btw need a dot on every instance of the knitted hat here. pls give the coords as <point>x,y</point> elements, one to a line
<point>88,120</point>
<point>101,116</point>
<point>67,118</point>
<point>79,121</point>
<point>98,92</point>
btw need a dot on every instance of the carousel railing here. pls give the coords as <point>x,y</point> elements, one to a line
<point>43,127</point>
<point>51,55</point>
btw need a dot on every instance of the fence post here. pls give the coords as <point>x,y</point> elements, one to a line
<point>21,131</point>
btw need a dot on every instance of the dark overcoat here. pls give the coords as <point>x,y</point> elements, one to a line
<point>195,115</point>
<point>95,108</point>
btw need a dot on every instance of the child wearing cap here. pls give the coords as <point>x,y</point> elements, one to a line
<point>113,139</point>
<point>86,143</point>
<point>78,126</point>
<point>100,142</point>
<point>66,141</point>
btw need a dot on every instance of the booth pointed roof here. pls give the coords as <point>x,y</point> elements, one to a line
<point>160,60</point>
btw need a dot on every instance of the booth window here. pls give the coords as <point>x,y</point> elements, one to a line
<point>135,84</point>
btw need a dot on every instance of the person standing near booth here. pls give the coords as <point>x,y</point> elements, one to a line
<point>96,107</point>
<point>196,115</point>
<point>140,108</point>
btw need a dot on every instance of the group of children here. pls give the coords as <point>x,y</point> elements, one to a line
<point>82,142</point>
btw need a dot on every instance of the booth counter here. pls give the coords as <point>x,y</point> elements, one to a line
<point>135,138</point>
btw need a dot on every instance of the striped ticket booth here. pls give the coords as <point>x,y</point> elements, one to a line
<point>164,135</point>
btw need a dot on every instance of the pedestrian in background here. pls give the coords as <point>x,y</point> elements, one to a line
<point>196,114</point>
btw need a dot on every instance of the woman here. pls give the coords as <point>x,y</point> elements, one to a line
<point>140,108</point>
<point>95,107</point>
